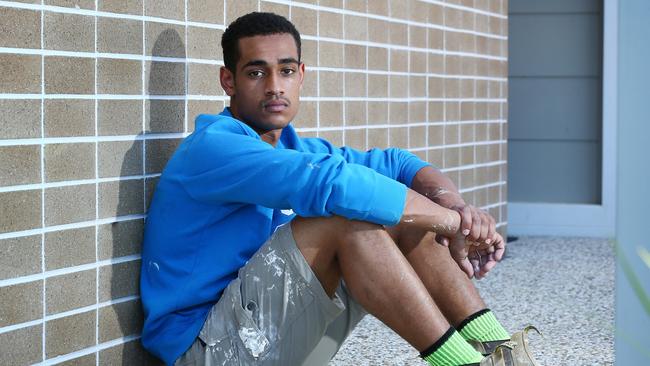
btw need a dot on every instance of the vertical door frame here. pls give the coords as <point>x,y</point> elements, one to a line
<point>584,219</point>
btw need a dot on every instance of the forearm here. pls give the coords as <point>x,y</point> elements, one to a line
<point>436,186</point>
<point>420,212</point>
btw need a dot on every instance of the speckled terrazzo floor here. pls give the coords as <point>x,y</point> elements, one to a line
<point>564,286</point>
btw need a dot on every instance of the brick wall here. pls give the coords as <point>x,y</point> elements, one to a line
<point>95,95</point>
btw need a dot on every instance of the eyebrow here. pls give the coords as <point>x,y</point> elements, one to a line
<point>288,60</point>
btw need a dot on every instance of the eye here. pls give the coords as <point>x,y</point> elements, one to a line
<point>255,73</point>
<point>288,71</point>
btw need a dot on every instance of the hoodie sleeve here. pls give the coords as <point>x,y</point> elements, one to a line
<point>397,164</point>
<point>222,166</point>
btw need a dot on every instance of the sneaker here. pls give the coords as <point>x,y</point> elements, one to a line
<point>514,352</point>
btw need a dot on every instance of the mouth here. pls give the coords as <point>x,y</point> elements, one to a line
<point>275,105</point>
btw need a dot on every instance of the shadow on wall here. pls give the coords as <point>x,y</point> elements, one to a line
<point>161,116</point>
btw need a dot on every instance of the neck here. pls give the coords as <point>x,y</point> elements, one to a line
<point>271,137</point>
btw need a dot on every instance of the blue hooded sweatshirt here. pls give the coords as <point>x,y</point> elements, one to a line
<point>222,195</point>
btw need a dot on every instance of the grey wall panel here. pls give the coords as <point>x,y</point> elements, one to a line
<point>560,109</point>
<point>554,172</point>
<point>555,45</point>
<point>554,6</point>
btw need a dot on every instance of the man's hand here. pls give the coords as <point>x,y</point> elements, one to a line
<point>476,260</point>
<point>477,226</point>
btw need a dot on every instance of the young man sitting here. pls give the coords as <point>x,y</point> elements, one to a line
<point>265,248</point>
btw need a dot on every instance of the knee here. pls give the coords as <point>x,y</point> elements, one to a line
<point>335,228</point>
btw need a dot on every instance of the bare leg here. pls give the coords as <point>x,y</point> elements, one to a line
<point>377,274</point>
<point>452,291</point>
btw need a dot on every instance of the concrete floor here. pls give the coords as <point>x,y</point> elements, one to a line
<point>563,286</point>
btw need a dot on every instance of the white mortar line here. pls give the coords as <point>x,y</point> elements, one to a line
<point>87,351</point>
<point>44,298</point>
<point>67,270</point>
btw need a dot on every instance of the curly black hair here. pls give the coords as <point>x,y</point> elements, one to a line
<point>253,24</point>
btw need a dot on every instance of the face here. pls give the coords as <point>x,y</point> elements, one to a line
<point>265,89</point>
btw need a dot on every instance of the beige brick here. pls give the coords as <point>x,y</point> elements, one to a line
<point>69,32</point>
<point>378,137</point>
<point>377,113</point>
<point>119,280</point>
<point>399,86</point>
<point>21,73</point>
<point>331,84</point>
<point>398,137</point>
<point>418,62</point>
<point>309,53</point>
<point>116,35</point>
<point>398,113</point>
<point>355,139</point>
<point>87,360</point>
<point>399,9</point>
<point>436,135</point>
<point>452,111</point>
<point>69,162</point>
<point>25,258</point>
<point>417,136</point>
<point>356,28</point>
<point>120,320</point>
<point>334,137</point>
<point>203,79</point>
<point>158,153</point>
<point>398,33</point>
<point>25,208</point>
<point>307,115</point>
<point>205,11</point>
<point>127,353</point>
<point>355,56</point>
<point>119,117</point>
<point>20,28</point>
<point>379,7</point>
<point>378,30</point>
<point>355,113</point>
<point>69,248</point>
<point>119,76</point>
<point>69,75</point>
<point>377,58</point>
<point>69,117</point>
<point>69,334</point>
<point>304,20</point>
<point>204,43</point>
<point>120,239</point>
<point>418,37</point>
<point>436,111</point>
<point>119,158</point>
<point>79,4</point>
<point>331,114</point>
<point>121,6</point>
<point>197,107</point>
<point>330,24</point>
<point>121,198</point>
<point>164,115</point>
<point>20,118</point>
<point>417,86</point>
<point>237,8</point>
<point>70,291</point>
<point>170,9</point>
<point>417,112</point>
<point>399,60</point>
<point>20,165</point>
<point>355,84</point>
<point>64,205</point>
<point>331,54</point>
<point>21,303</point>
<point>279,9</point>
<point>165,78</point>
<point>23,346</point>
<point>164,40</point>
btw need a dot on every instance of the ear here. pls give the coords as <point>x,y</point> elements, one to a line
<point>301,70</point>
<point>227,80</point>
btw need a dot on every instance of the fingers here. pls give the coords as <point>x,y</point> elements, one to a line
<point>466,266</point>
<point>492,229</point>
<point>475,233</point>
<point>466,220</point>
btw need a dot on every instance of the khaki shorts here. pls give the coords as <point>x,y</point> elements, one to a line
<point>275,313</point>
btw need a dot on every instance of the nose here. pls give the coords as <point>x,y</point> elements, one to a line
<point>273,85</point>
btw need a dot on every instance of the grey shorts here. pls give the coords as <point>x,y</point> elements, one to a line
<point>275,312</point>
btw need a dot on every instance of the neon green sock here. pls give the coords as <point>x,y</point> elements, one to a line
<point>483,326</point>
<point>451,350</point>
